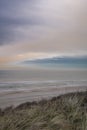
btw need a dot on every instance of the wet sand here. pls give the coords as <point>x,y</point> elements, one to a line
<point>15,98</point>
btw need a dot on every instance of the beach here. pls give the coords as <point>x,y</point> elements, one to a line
<point>14,98</point>
<point>19,86</point>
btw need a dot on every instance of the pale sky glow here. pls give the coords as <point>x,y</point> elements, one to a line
<point>42,28</point>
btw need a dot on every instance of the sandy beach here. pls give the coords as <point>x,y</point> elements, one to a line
<point>15,98</point>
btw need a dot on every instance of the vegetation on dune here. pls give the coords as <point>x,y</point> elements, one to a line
<point>67,112</point>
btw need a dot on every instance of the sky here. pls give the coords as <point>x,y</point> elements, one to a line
<point>32,29</point>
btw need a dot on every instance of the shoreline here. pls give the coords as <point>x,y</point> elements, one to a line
<point>17,98</point>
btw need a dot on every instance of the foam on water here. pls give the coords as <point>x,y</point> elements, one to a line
<point>31,85</point>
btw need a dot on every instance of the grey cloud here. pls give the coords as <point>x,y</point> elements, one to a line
<point>8,28</point>
<point>62,24</point>
<point>12,17</point>
<point>18,22</point>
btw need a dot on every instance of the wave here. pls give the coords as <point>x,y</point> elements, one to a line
<point>35,85</point>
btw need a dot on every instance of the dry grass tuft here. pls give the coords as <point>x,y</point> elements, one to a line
<point>67,112</point>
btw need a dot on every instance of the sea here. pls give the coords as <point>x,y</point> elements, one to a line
<point>11,80</point>
<point>21,85</point>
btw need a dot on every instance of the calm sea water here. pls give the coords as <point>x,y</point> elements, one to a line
<point>20,80</point>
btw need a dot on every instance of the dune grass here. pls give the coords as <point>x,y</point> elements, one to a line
<point>66,112</point>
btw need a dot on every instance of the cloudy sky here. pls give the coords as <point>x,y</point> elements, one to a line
<point>42,28</point>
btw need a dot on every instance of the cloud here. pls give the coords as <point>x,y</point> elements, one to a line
<point>42,26</point>
<point>70,61</point>
<point>12,29</point>
<point>16,16</point>
<point>19,19</point>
